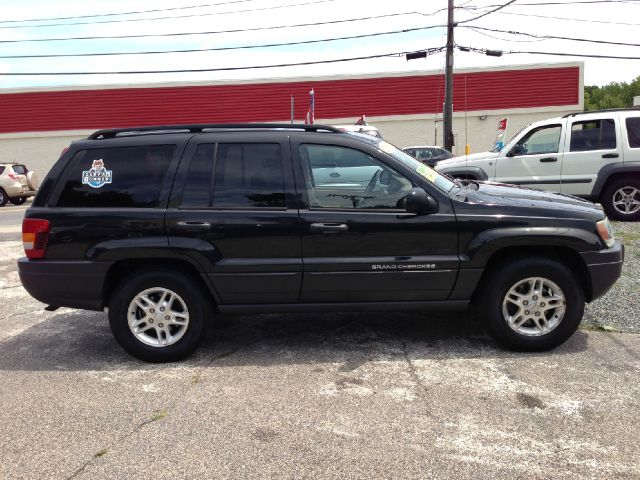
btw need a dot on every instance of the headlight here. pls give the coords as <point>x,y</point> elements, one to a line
<point>606,232</point>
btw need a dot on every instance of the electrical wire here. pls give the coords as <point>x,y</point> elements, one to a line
<point>174,17</point>
<point>520,4</point>
<point>498,53</point>
<point>215,32</point>
<point>499,7</point>
<point>111,14</point>
<point>218,49</point>
<point>428,51</point>
<point>551,37</point>
<point>569,19</point>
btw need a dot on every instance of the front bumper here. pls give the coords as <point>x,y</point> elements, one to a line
<point>64,283</point>
<point>604,268</point>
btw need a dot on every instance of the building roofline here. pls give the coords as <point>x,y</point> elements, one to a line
<point>315,78</point>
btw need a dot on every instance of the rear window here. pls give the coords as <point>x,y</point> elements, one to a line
<point>633,132</point>
<point>116,177</point>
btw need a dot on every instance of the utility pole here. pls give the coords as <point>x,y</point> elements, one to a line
<point>448,95</point>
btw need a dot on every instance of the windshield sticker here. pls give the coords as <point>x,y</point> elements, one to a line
<point>427,173</point>
<point>97,176</point>
<point>386,147</point>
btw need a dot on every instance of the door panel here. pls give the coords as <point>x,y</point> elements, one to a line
<point>537,163</point>
<point>590,145</point>
<point>245,216</point>
<point>368,249</point>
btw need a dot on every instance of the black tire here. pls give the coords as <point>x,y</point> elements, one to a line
<point>3,198</point>
<point>18,200</point>
<point>499,281</point>
<point>198,304</point>
<point>610,193</point>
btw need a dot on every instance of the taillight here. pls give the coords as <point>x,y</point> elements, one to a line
<point>35,235</point>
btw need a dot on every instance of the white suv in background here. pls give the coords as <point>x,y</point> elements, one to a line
<point>594,155</point>
<point>17,183</point>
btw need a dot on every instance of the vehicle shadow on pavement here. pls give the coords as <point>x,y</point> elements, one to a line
<point>76,341</point>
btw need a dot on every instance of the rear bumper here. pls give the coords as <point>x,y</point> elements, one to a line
<point>16,190</point>
<point>604,267</point>
<point>75,284</point>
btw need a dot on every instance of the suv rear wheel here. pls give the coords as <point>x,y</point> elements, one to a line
<point>158,315</point>
<point>531,304</point>
<point>621,199</point>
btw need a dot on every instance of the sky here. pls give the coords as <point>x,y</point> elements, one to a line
<point>603,20</point>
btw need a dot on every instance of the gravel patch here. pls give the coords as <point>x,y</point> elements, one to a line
<point>619,309</point>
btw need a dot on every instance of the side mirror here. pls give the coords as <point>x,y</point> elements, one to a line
<point>420,202</point>
<point>515,151</point>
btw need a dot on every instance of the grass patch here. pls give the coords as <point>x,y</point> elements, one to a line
<point>101,453</point>
<point>600,328</point>
<point>158,416</point>
<point>196,379</point>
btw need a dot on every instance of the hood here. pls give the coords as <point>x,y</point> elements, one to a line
<point>468,158</point>
<point>513,197</point>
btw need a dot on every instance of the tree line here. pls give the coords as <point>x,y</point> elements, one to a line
<point>613,95</point>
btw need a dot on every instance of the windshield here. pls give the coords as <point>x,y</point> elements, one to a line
<point>425,171</point>
<point>495,149</point>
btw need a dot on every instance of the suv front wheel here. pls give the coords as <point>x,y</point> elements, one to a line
<point>621,199</point>
<point>531,304</point>
<point>159,315</point>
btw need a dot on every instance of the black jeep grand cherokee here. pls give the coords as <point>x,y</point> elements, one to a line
<point>166,225</point>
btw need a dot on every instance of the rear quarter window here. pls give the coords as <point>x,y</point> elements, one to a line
<point>19,169</point>
<point>1,170</point>
<point>633,132</point>
<point>118,177</point>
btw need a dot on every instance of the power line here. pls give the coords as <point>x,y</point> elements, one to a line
<point>498,53</point>
<point>237,30</point>
<point>314,2</point>
<point>216,49</point>
<point>549,37</point>
<point>520,4</point>
<point>111,14</point>
<point>222,69</point>
<point>498,7</point>
<point>569,19</point>
<point>476,30</point>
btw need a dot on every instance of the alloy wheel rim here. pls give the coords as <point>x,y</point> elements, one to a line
<point>626,200</point>
<point>534,306</point>
<point>158,317</point>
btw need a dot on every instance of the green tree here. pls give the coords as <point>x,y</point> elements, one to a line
<point>613,95</point>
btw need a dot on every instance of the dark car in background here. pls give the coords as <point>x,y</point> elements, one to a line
<point>428,154</point>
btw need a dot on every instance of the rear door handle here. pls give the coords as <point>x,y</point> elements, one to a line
<point>610,155</point>
<point>329,227</point>
<point>549,159</point>
<point>193,225</point>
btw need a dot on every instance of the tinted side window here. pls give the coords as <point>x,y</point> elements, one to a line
<point>1,170</point>
<point>593,135</point>
<point>19,169</point>
<point>116,177</point>
<point>633,132</point>
<point>248,176</point>
<point>366,183</point>
<point>197,188</point>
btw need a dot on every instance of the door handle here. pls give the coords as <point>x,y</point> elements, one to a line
<point>334,174</point>
<point>549,159</point>
<point>610,155</point>
<point>329,227</point>
<point>193,225</point>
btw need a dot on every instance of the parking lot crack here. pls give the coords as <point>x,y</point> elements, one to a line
<point>423,391</point>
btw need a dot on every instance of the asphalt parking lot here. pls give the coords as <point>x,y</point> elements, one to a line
<point>318,396</point>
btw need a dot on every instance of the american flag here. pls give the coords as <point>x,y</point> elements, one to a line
<point>312,103</point>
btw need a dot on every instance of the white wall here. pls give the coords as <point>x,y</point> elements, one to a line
<point>39,151</point>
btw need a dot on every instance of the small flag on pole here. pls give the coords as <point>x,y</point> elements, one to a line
<point>310,114</point>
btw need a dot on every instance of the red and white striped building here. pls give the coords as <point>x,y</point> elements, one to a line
<point>37,123</point>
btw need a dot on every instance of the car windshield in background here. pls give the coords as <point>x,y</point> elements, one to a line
<point>437,179</point>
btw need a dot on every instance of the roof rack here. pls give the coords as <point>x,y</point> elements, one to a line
<point>601,111</point>
<point>200,128</point>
